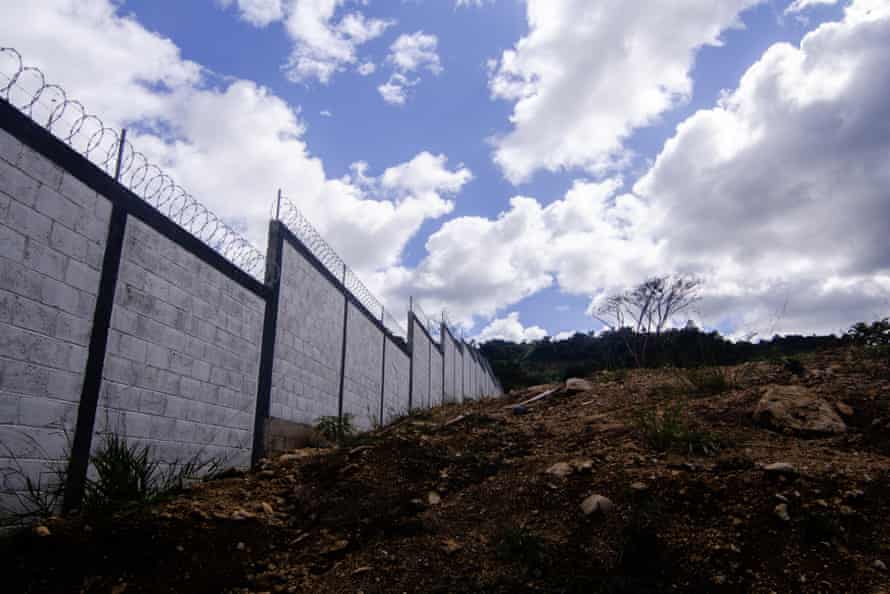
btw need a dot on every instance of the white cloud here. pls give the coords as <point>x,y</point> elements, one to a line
<point>395,90</point>
<point>417,51</point>
<point>589,73</point>
<point>472,2</point>
<point>205,132</point>
<point>258,13</point>
<point>325,113</point>
<point>409,53</point>
<point>564,335</point>
<point>322,44</point>
<point>510,329</point>
<point>801,5</point>
<point>366,68</point>
<point>777,196</point>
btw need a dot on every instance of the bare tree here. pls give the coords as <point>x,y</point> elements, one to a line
<point>647,308</point>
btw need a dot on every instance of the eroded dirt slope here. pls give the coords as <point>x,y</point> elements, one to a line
<point>473,498</point>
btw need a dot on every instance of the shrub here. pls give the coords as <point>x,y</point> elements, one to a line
<point>41,498</point>
<point>126,475</point>
<point>708,381</point>
<point>671,431</point>
<point>336,428</point>
<point>794,366</point>
<point>521,546</point>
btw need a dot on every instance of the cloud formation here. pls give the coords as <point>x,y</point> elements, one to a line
<point>590,73</point>
<point>511,329</point>
<point>409,54</point>
<point>777,196</point>
<point>201,128</point>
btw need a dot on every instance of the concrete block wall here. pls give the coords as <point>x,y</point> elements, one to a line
<point>396,381</point>
<point>182,358</point>
<point>364,369</point>
<point>420,361</point>
<point>114,318</point>
<point>308,342</point>
<point>467,373</point>
<point>53,230</point>
<point>436,376</point>
<point>448,357</point>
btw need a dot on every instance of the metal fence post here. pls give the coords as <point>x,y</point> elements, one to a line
<point>120,155</point>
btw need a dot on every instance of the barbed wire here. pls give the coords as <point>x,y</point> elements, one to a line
<point>452,327</point>
<point>48,105</point>
<point>291,216</point>
<point>431,325</point>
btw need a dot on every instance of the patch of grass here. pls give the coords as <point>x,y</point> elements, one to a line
<point>41,498</point>
<point>708,381</point>
<point>127,475</point>
<point>794,366</point>
<point>522,546</point>
<point>671,430</point>
<point>336,428</point>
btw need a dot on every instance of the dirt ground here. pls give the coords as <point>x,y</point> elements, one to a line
<point>469,506</point>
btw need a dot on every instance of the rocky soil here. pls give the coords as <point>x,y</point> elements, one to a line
<point>640,482</point>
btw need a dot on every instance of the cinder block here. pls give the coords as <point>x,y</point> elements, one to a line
<point>39,167</point>
<point>9,408</point>
<point>43,412</point>
<point>35,316</point>
<point>83,277</point>
<point>78,192</point>
<point>29,222</point>
<point>68,242</point>
<point>12,244</point>
<point>61,210</point>
<point>16,185</point>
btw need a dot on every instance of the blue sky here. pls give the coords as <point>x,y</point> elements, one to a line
<point>548,257</point>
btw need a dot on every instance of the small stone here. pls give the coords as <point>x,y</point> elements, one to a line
<point>780,468</point>
<point>267,509</point>
<point>240,546</point>
<point>578,385</point>
<point>879,565</point>
<point>844,408</point>
<point>846,510</point>
<point>639,486</point>
<point>41,531</point>
<point>241,514</point>
<point>583,465</point>
<point>179,548</point>
<point>782,512</point>
<point>560,469</point>
<point>433,498</point>
<point>452,546</point>
<point>361,570</point>
<point>519,410</point>
<point>598,504</point>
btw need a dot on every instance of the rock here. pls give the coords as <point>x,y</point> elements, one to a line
<point>578,385</point>
<point>452,546</point>
<point>879,565</point>
<point>780,468</point>
<point>41,531</point>
<point>797,409</point>
<point>597,504</point>
<point>267,509</point>
<point>584,465</point>
<point>844,408</point>
<point>240,546</point>
<point>560,469</point>
<point>433,498</point>
<point>639,486</point>
<point>240,514</point>
<point>520,410</point>
<point>782,512</point>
